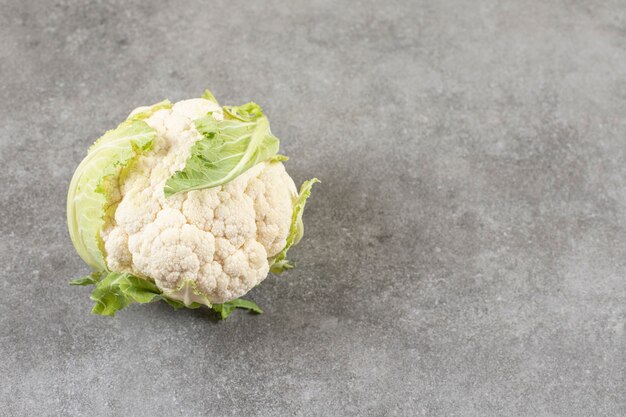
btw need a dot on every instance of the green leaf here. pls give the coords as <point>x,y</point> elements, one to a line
<point>226,309</point>
<point>278,267</point>
<point>118,290</point>
<point>278,263</point>
<point>90,279</point>
<point>228,149</point>
<point>175,304</point>
<point>140,290</point>
<point>207,95</point>
<point>278,158</point>
<point>92,189</point>
<point>150,110</point>
<point>108,296</point>
<point>115,291</point>
<point>246,113</point>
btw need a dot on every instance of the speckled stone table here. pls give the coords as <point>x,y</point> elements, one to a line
<point>465,254</point>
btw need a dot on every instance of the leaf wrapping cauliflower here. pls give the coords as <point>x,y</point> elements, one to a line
<point>186,202</point>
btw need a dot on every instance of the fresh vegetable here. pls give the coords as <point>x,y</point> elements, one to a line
<point>188,203</point>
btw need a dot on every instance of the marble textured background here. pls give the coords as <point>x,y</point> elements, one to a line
<point>465,254</point>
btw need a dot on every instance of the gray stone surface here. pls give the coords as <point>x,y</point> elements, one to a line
<point>465,254</point>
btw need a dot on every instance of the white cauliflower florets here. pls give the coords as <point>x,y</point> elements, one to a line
<point>210,244</point>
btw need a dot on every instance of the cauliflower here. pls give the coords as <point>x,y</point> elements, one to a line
<point>187,203</point>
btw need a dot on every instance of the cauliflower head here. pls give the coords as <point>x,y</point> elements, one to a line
<point>187,203</point>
